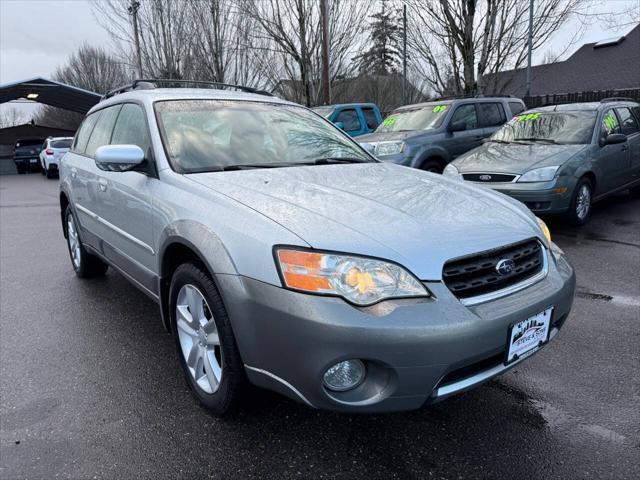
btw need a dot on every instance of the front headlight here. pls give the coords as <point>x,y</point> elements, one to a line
<point>451,171</point>
<point>543,174</point>
<point>359,280</point>
<point>545,230</point>
<point>388,148</point>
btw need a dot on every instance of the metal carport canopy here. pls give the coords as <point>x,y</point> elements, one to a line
<point>51,93</point>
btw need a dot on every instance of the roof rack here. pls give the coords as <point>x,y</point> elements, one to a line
<point>460,97</point>
<point>149,84</point>
<point>617,99</point>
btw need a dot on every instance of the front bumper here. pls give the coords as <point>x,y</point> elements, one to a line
<point>415,351</point>
<point>540,197</point>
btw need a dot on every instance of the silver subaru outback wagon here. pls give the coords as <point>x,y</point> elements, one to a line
<point>283,255</point>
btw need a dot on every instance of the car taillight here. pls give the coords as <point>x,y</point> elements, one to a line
<point>48,151</point>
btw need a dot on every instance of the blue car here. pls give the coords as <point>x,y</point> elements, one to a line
<point>354,118</point>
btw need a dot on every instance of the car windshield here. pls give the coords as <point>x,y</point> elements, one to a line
<point>65,143</point>
<point>548,127</point>
<point>212,135</point>
<point>416,118</point>
<point>324,111</point>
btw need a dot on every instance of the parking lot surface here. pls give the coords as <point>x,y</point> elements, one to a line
<point>91,386</point>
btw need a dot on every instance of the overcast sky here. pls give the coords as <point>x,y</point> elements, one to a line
<point>36,36</point>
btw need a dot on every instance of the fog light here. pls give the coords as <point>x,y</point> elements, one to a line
<point>344,375</point>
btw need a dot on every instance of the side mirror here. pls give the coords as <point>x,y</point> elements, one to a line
<point>613,139</point>
<point>119,158</point>
<point>340,125</point>
<point>457,126</point>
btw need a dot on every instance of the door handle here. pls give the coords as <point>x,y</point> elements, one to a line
<point>74,172</point>
<point>625,148</point>
<point>103,185</point>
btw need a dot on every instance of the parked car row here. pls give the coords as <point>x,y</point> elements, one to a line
<point>556,160</point>
<point>36,154</point>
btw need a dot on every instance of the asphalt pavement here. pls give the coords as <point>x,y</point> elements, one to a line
<point>91,386</point>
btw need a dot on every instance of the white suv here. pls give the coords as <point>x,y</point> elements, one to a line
<point>52,149</point>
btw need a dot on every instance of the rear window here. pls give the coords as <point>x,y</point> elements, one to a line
<point>491,114</point>
<point>516,107</point>
<point>371,118</point>
<point>28,143</point>
<point>85,130</point>
<point>66,143</point>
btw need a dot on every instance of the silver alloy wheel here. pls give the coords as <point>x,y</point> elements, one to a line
<point>74,242</point>
<point>199,340</point>
<point>583,202</point>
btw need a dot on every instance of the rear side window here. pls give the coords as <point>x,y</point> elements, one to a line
<point>370,118</point>
<point>131,128</point>
<point>101,134</point>
<point>80,142</point>
<point>628,124</point>
<point>467,115</point>
<point>491,114</point>
<point>349,119</point>
<point>516,108</point>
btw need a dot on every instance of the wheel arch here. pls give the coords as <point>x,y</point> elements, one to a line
<point>189,242</point>
<point>435,153</point>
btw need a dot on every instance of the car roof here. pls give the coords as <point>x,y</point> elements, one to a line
<point>584,106</point>
<point>163,94</point>
<point>342,105</point>
<point>449,101</point>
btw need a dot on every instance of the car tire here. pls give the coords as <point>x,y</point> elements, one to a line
<point>635,191</point>
<point>205,342</point>
<point>84,264</point>
<point>21,171</point>
<point>43,170</point>
<point>581,203</point>
<point>49,174</point>
<point>431,166</point>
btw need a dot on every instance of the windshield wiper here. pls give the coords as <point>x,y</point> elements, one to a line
<point>249,166</point>
<point>545,140</point>
<point>334,160</point>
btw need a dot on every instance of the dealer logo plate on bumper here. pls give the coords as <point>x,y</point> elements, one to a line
<point>527,336</point>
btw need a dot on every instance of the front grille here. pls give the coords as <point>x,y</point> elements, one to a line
<point>488,177</point>
<point>477,274</point>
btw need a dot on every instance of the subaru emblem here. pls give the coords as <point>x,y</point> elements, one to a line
<point>485,178</point>
<point>505,266</point>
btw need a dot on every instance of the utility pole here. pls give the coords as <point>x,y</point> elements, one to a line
<point>133,11</point>
<point>326,93</point>
<point>530,48</point>
<point>404,54</point>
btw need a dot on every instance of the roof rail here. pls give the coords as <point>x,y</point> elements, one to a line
<point>149,84</point>
<point>617,99</point>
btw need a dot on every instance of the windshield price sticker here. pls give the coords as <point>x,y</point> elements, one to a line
<point>528,116</point>
<point>439,108</point>
<point>389,121</point>
<point>611,123</point>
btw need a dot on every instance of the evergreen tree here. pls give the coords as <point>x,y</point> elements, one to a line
<point>383,56</point>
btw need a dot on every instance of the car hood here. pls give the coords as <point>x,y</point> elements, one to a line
<point>414,218</point>
<point>514,158</point>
